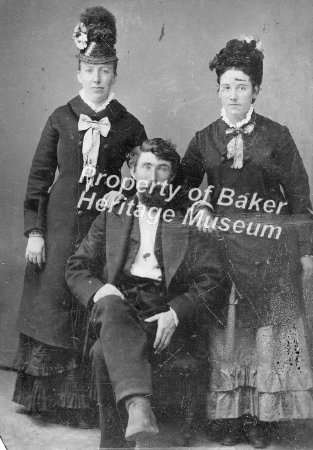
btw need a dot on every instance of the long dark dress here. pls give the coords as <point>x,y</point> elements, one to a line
<point>260,361</point>
<point>50,321</point>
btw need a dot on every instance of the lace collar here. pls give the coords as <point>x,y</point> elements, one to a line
<point>238,124</point>
<point>92,105</point>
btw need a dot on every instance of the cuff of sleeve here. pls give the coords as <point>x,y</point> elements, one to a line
<point>200,204</point>
<point>305,248</point>
<point>35,233</point>
<point>86,292</point>
<point>33,220</point>
<point>176,321</point>
<point>100,293</point>
<point>183,307</point>
<point>29,231</point>
<point>107,289</point>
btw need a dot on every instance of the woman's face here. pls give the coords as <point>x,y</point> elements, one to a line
<point>236,93</point>
<point>97,80</point>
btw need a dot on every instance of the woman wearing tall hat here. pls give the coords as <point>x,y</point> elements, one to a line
<point>87,141</point>
<point>260,207</point>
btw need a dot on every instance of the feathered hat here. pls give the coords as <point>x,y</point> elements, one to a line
<point>95,36</point>
<point>246,53</point>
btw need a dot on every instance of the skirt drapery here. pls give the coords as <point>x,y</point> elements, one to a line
<point>50,378</point>
<point>265,372</point>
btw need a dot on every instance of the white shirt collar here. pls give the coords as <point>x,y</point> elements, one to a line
<point>148,210</point>
<point>145,263</point>
<point>92,105</point>
<point>238,124</point>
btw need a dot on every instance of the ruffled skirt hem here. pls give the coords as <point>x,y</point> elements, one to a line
<point>267,407</point>
<point>50,378</point>
<point>44,394</point>
<point>265,372</point>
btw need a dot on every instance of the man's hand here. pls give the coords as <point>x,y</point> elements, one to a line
<point>204,220</point>
<point>35,250</point>
<point>307,267</point>
<point>166,328</point>
<point>113,198</point>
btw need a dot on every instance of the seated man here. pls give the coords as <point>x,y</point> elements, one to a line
<point>149,279</point>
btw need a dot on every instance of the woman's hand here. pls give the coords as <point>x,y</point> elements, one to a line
<point>35,250</point>
<point>307,267</point>
<point>204,220</point>
<point>113,198</point>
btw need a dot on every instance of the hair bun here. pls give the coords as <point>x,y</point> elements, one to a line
<point>246,53</point>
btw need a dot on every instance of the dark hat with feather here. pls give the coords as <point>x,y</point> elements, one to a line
<point>95,36</point>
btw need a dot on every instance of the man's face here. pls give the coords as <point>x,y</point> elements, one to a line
<point>151,175</point>
<point>97,80</point>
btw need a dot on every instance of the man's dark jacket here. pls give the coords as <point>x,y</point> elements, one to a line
<point>192,269</point>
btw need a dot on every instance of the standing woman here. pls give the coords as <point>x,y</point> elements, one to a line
<point>260,365</point>
<point>86,141</point>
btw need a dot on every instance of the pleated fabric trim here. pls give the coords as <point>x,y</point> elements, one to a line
<point>267,407</point>
<point>39,394</point>
<point>264,380</point>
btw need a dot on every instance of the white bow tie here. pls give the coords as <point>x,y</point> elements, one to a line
<point>91,144</point>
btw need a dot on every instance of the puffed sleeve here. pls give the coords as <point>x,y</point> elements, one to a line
<point>41,178</point>
<point>140,136</point>
<point>295,182</point>
<point>84,271</point>
<point>205,293</point>
<point>191,172</point>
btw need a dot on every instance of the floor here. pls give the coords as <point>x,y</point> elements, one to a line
<point>20,431</point>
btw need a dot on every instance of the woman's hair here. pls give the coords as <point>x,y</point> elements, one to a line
<point>114,64</point>
<point>245,55</point>
<point>161,148</point>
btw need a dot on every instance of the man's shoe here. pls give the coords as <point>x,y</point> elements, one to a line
<point>112,433</point>
<point>141,420</point>
<point>87,419</point>
<point>256,434</point>
<point>257,438</point>
<point>232,432</point>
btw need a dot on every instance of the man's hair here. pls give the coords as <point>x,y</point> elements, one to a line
<point>161,148</point>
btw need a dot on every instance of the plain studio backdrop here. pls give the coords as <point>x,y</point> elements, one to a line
<point>164,48</point>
